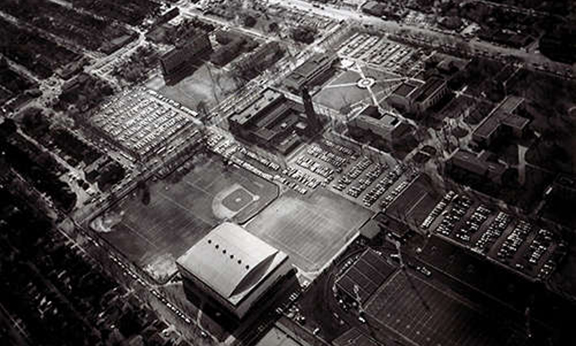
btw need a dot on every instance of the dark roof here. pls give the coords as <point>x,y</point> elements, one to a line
<point>470,162</point>
<point>268,98</point>
<point>430,87</point>
<point>310,68</point>
<point>497,119</point>
<point>566,181</point>
<point>405,89</point>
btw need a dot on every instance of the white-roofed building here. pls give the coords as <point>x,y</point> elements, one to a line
<point>232,269</point>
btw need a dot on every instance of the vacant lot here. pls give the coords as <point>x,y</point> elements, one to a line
<point>155,234</point>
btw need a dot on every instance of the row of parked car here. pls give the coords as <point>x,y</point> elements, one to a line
<point>328,157</point>
<point>352,174</point>
<point>473,223</point>
<point>438,209</point>
<point>340,148</point>
<point>393,195</point>
<point>369,178</point>
<point>315,167</point>
<point>460,207</point>
<point>262,160</point>
<point>494,231</point>
<point>513,242</point>
<point>301,177</point>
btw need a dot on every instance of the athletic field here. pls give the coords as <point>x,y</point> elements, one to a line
<point>180,213</point>
<point>424,315</point>
<point>311,230</point>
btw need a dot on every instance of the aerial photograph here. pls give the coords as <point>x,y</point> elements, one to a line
<point>288,173</point>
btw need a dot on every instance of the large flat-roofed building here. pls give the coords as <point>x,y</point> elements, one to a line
<point>474,168</point>
<point>416,97</point>
<point>250,113</point>
<point>177,59</point>
<point>386,126</point>
<point>231,270</point>
<point>269,119</point>
<point>263,57</point>
<point>310,72</point>
<point>502,122</point>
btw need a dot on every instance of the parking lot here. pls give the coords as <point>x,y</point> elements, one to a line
<point>375,185</point>
<point>139,123</point>
<point>497,235</point>
<point>294,17</point>
<point>382,53</point>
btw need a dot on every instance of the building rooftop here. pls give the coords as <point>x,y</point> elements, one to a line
<point>373,115</point>
<point>268,98</point>
<point>406,89</point>
<point>478,165</point>
<point>231,261</point>
<point>498,118</point>
<point>510,104</point>
<point>566,181</point>
<point>309,68</point>
<point>430,87</point>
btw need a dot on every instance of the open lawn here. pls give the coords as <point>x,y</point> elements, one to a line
<point>311,230</point>
<point>180,213</point>
<point>207,84</point>
<point>343,90</point>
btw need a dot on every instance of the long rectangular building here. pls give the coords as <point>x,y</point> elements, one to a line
<point>310,71</point>
<point>176,59</point>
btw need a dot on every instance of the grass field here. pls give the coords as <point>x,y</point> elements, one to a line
<point>181,213</point>
<point>310,230</point>
<point>342,89</point>
<point>366,275</point>
<point>207,84</point>
<point>427,316</point>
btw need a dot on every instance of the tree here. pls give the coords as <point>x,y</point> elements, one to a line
<point>273,27</point>
<point>7,128</point>
<point>304,34</point>
<point>201,108</point>
<point>249,21</point>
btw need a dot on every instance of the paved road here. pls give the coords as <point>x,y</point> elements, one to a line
<point>436,36</point>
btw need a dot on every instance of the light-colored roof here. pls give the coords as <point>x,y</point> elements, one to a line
<point>231,261</point>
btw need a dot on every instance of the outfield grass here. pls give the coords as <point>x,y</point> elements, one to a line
<point>179,214</point>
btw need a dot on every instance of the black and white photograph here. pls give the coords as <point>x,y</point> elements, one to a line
<point>287,173</point>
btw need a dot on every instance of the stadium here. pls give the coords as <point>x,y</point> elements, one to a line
<point>231,270</point>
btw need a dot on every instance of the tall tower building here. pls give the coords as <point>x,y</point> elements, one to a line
<point>312,117</point>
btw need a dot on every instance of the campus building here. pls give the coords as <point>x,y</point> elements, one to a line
<point>178,58</point>
<point>384,128</point>
<point>474,168</point>
<point>416,97</point>
<point>231,270</point>
<point>270,120</point>
<point>502,123</point>
<point>310,72</point>
<point>263,57</point>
